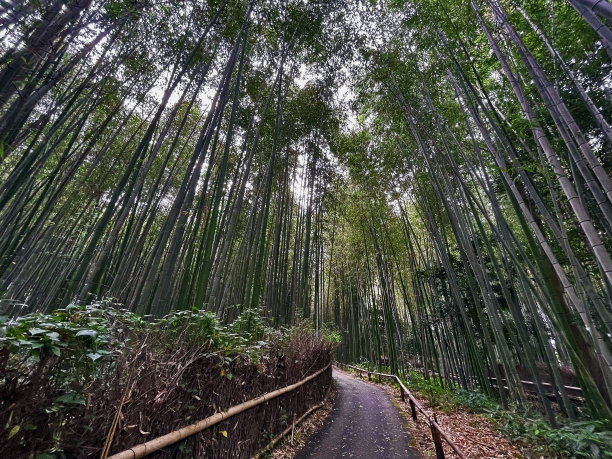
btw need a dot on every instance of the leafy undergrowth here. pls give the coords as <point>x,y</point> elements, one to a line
<point>529,431</point>
<point>80,377</point>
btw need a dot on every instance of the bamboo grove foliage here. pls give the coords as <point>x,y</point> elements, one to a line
<point>480,237</point>
<point>431,179</point>
<point>150,154</point>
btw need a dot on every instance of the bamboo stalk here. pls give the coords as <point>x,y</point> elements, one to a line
<point>111,433</point>
<point>168,439</point>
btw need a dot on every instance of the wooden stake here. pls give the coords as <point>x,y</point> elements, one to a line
<point>437,441</point>
<point>413,409</point>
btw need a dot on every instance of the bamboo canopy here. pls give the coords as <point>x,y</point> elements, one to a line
<point>428,182</point>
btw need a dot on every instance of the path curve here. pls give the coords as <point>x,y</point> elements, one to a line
<point>363,424</point>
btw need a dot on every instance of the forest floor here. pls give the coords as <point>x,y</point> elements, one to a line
<point>474,434</point>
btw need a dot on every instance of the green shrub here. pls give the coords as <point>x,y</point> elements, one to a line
<point>588,439</point>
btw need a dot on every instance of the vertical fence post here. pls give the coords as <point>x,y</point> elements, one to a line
<point>437,442</point>
<point>369,376</point>
<point>413,409</point>
<point>402,394</point>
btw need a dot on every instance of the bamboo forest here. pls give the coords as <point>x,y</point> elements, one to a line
<point>226,196</point>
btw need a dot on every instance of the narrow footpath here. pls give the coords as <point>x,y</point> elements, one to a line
<point>363,424</point>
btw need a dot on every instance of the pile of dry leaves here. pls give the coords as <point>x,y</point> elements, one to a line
<point>474,434</point>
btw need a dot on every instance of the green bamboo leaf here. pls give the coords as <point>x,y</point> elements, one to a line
<point>13,431</point>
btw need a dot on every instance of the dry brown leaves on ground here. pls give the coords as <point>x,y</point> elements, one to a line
<point>474,435</point>
<point>289,446</point>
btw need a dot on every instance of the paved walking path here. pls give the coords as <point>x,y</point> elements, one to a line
<point>363,424</point>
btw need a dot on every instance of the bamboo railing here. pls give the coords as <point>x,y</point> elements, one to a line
<point>281,435</point>
<point>158,443</point>
<point>437,433</point>
<point>574,393</point>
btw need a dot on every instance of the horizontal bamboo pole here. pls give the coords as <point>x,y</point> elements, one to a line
<point>281,435</point>
<point>158,443</point>
<point>432,422</point>
<point>526,383</point>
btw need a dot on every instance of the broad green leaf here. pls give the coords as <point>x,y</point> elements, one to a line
<point>54,336</point>
<point>71,399</point>
<point>87,333</point>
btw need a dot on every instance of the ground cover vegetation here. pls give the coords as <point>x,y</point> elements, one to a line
<point>529,431</point>
<point>429,179</point>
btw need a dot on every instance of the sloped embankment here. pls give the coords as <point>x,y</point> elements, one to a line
<point>81,378</point>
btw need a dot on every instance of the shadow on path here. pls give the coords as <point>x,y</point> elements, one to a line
<point>363,424</point>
